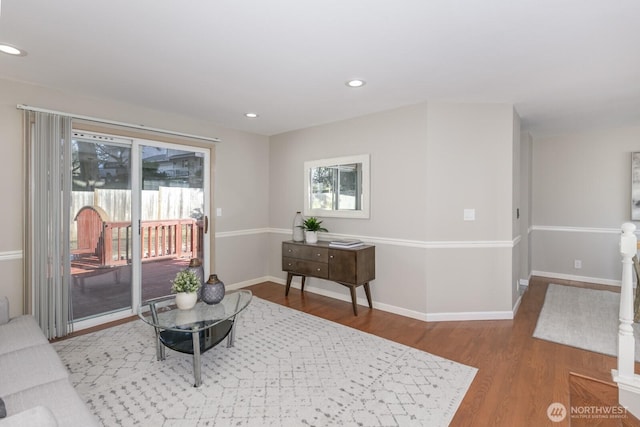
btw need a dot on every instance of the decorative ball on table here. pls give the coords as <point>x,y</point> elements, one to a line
<point>213,290</point>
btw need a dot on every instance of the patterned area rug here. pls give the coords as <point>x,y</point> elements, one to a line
<point>287,368</point>
<point>582,318</point>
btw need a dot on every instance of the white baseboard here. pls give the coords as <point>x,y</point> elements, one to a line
<point>240,285</point>
<point>597,280</point>
<point>522,283</point>
<point>359,300</point>
<point>101,320</point>
<point>425,317</point>
<point>470,316</point>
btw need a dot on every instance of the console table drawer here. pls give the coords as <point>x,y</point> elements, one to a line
<point>310,253</point>
<point>307,268</point>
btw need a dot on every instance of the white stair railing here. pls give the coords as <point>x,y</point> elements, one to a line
<point>628,381</point>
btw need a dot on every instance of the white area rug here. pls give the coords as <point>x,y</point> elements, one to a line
<point>582,318</point>
<point>287,368</point>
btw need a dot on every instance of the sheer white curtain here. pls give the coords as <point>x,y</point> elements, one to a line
<point>47,207</point>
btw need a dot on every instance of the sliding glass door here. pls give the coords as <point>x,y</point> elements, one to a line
<point>172,214</point>
<point>100,232</point>
<point>138,215</point>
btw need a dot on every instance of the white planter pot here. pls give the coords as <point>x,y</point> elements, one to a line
<point>186,300</point>
<point>311,236</point>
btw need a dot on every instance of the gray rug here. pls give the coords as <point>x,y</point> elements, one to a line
<point>287,368</point>
<point>582,318</point>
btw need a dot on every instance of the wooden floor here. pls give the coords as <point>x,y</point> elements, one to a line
<point>518,376</point>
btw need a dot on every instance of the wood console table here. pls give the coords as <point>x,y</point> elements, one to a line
<point>350,267</point>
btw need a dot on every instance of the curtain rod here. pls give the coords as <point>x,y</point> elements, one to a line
<point>116,123</point>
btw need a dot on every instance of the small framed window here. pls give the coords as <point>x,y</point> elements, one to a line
<point>337,187</point>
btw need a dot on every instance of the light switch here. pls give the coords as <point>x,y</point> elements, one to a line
<point>218,211</point>
<point>469,214</point>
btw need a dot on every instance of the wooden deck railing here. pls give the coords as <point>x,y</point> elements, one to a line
<point>159,239</point>
<point>108,243</point>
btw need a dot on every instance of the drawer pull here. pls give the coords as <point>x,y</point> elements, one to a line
<point>290,264</point>
<point>290,251</point>
<point>317,254</point>
<point>331,256</point>
<point>318,269</point>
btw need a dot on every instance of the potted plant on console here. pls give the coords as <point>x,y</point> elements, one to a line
<point>311,227</point>
<point>185,286</point>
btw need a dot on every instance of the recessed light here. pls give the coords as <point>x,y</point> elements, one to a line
<point>356,83</point>
<point>251,115</point>
<point>11,50</point>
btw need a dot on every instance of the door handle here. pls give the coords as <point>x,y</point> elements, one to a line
<point>206,224</point>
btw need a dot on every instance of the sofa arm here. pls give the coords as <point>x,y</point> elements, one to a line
<point>38,416</point>
<point>4,310</point>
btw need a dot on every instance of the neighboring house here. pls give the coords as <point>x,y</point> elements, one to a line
<point>173,163</point>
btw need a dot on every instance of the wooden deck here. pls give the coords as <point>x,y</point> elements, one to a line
<point>96,289</point>
<point>101,263</point>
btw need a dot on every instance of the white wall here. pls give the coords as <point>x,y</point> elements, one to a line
<point>516,193</point>
<point>240,187</point>
<point>469,162</point>
<point>11,190</point>
<point>470,166</point>
<point>242,192</point>
<point>526,149</point>
<point>581,196</point>
<point>428,163</point>
<point>396,141</point>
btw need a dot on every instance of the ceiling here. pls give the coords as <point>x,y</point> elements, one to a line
<point>564,64</point>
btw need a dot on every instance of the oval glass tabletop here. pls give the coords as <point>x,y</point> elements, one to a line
<point>162,312</point>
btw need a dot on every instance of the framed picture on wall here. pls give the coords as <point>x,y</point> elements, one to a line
<point>635,186</point>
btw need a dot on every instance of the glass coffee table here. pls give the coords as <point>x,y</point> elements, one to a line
<point>196,330</point>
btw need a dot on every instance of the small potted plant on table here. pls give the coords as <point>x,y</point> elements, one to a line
<point>311,227</point>
<point>185,286</point>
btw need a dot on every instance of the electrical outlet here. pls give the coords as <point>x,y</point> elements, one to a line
<point>577,263</point>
